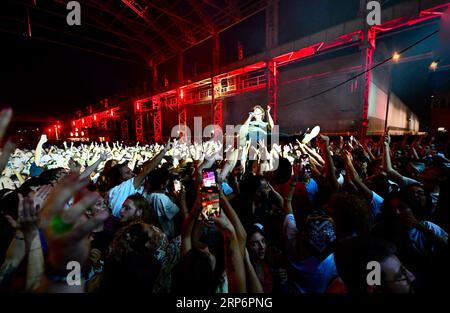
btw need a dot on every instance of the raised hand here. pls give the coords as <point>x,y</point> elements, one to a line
<point>43,139</point>
<point>40,196</point>
<point>9,147</point>
<point>224,224</point>
<point>105,155</point>
<point>74,166</point>
<point>27,218</point>
<point>323,141</point>
<point>67,230</point>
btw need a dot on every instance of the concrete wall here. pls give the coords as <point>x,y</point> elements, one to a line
<point>400,118</point>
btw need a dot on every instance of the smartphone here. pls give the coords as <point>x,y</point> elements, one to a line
<point>210,196</point>
<point>176,185</point>
<point>306,166</point>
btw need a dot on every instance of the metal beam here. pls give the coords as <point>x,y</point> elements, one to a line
<point>204,17</point>
<point>127,23</point>
<point>143,15</point>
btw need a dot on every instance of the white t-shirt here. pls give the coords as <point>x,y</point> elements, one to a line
<point>165,211</point>
<point>406,181</point>
<point>118,195</point>
<point>419,239</point>
<point>311,274</point>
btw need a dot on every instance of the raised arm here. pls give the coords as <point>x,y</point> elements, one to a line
<point>354,177</point>
<point>253,283</point>
<point>28,220</point>
<point>315,156</point>
<point>90,169</point>
<point>235,221</point>
<point>13,258</point>
<point>234,259</point>
<point>188,226</point>
<point>287,203</point>
<point>150,165</point>
<point>38,151</point>
<point>330,170</point>
<point>269,118</point>
<point>387,164</point>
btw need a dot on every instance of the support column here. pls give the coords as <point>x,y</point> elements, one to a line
<point>369,50</point>
<point>272,24</point>
<point>138,121</point>
<point>157,125</point>
<point>216,101</point>
<point>272,88</point>
<point>154,69</point>
<point>180,67</point>
<point>271,42</point>
<point>124,129</point>
<point>182,120</point>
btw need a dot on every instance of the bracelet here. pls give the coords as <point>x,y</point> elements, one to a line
<point>59,227</point>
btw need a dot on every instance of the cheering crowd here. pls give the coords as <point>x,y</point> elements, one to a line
<point>297,217</point>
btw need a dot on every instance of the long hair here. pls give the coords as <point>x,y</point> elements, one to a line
<point>132,265</point>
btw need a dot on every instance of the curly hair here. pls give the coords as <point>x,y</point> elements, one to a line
<point>350,212</point>
<point>133,264</point>
<point>134,239</point>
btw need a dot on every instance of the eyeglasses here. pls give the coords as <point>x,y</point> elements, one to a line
<point>404,273</point>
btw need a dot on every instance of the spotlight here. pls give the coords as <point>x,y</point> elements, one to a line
<point>396,57</point>
<point>434,65</point>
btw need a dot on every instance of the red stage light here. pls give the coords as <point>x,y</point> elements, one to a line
<point>112,113</point>
<point>181,94</point>
<point>138,106</point>
<point>82,133</point>
<point>59,126</point>
<point>82,121</point>
<point>71,134</point>
<point>73,123</point>
<point>95,117</point>
<point>49,130</point>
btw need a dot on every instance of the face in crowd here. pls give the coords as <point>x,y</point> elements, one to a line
<point>126,173</point>
<point>257,246</point>
<point>129,211</point>
<point>396,278</point>
<point>258,113</point>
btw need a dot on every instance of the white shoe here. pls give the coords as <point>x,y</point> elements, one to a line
<point>311,135</point>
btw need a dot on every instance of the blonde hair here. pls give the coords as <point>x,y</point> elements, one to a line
<point>260,108</point>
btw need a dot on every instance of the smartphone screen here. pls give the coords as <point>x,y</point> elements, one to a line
<point>209,178</point>
<point>176,185</point>
<point>306,166</point>
<point>210,196</point>
<point>210,204</point>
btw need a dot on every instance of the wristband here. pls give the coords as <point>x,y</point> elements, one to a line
<point>59,227</point>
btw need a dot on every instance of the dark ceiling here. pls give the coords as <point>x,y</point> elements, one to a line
<point>153,30</point>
